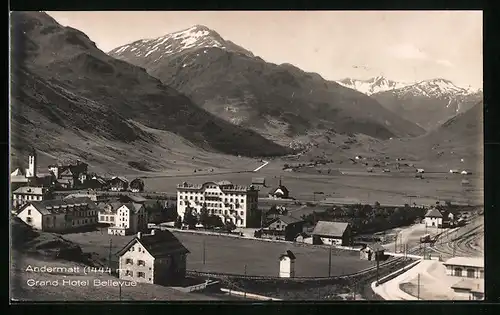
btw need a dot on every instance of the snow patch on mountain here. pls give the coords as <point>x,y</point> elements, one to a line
<point>372,85</point>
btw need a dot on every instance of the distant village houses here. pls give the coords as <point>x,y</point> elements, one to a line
<point>137,185</point>
<point>433,218</point>
<point>158,258</point>
<point>118,183</point>
<point>285,226</point>
<point>280,192</point>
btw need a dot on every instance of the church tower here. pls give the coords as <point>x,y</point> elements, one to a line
<point>31,171</point>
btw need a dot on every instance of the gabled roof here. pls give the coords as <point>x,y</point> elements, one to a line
<point>112,206</point>
<point>119,178</point>
<point>376,247</point>
<point>285,219</point>
<point>433,213</point>
<point>161,244</point>
<point>133,207</point>
<point>281,187</point>
<point>67,172</point>
<point>473,285</point>
<point>329,228</point>
<point>27,190</point>
<point>288,254</point>
<point>60,206</point>
<point>17,172</point>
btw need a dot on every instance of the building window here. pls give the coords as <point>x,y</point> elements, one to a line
<point>481,274</point>
<point>129,261</point>
<point>29,211</point>
<point>470,273</point>
<point>102,218</point>
<point>129,273</point>
<point>28,220</point>
<point>457,272</point>
<point>141,263</point>
<point>141,275</point>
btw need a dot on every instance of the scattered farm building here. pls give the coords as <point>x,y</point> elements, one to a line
<point>280,192</point>
<point>464,182</point>
<point>118,183</point>
<point>284,225</point>
<point>454,171</point>
<point>332,233</point>
<point>137,185</point>
<point>59,215</point>
<point>420,170</point>
<point>372,252</point>
<point>158,258</point>
<point>259,182</point>
<point>433,218</point>
<point>465,173</point>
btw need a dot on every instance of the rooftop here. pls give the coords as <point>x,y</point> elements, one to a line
<point>329,228</point>
<point>466,261</point>
<point>433,213</point>
<point>61,206</point>
<point>288,254</point>
<point>473,285</point>
<point>134,207</point>
<point>158,244</point>
<point>223,185</point>
<point>27,190</point>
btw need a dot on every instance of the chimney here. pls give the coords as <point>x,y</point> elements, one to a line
<point>153,232</point>
<point>139,235</point>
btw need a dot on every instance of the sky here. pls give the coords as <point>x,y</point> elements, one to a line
<point>406,46</point>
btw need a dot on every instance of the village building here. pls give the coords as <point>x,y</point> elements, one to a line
<point>129,219</point>
<point>96,183</point>
<point>280,192</point>
<point>107,212</point>
<point>59,215</point>
<point>372,252</point>
<point>287,265</point>
<point>158,258</point>
<point>465,173</point>
<point>259,182</point>
<point>26,194</point>
<point>420,170</point>
<point>453,171</point>
<point>433,218</point>
<point>118,183</point>
<point>132,198</point>
<point>283,225</point>
<point>468,267</point>
<point>18,179</point>
<point>69,176</point>
<point>332,233</point>
<point>228,201</point>
<point>137,185</point>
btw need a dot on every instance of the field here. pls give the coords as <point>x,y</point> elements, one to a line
<point>23,290</point>
<point>230,255</point>
<point>386,188</point>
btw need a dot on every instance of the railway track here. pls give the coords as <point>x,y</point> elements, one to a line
<point>463,243</point>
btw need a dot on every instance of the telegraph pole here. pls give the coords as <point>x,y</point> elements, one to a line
<point>204,254</point>
<point>418,287</point>
<point>377,259</point>
<point>396,243</point>
<point>330,261</point>
<point>245,291</point>
<point>110,248</point>
<point>120,286</point>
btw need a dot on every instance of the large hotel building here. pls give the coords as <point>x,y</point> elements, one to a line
<point>224,199</point>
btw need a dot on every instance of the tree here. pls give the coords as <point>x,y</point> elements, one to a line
<point>190,218</point>
<point>170,214</point>
<point>178,222</point>
<point>229,226</point>
<point>204,216</point>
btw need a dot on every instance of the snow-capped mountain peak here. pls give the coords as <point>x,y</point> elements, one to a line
<point>436,88</point>
<point>372,85</point>
<point>195,37</point>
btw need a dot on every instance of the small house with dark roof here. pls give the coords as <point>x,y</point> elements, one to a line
<point>137,185</point>
<point>59,215</point>
<point>287,264</point>
<point>96,183</point>
<point>332,233</point>
<point>118,183</point>
<point>372,252</point>
<point>130,218</point>
<point>25,194</point>
<point>259,182</point>
<point>280,192</point>
<point>158,258</point>
<point>284,225</point>
<point>433,218</point>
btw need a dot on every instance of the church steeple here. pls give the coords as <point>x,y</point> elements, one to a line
<point>31,170</point>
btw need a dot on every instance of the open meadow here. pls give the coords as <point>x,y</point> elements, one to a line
<point>386,188</point>
<point>230,255</point>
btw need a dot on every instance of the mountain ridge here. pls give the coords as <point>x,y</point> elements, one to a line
<point>278,101</point>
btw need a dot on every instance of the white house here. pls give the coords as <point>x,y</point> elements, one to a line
<point>454,171</point>
<point>420,170</point>
<point>223,199</point>
<point>287,265</point>
<point>59,215</point>
<point>130,218</point>
<point>158,258</point>
<point>107,212</point>
<point>433,218</point>
<point>280,192</point>
<point>465,173</point>
<point>23,195</point>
